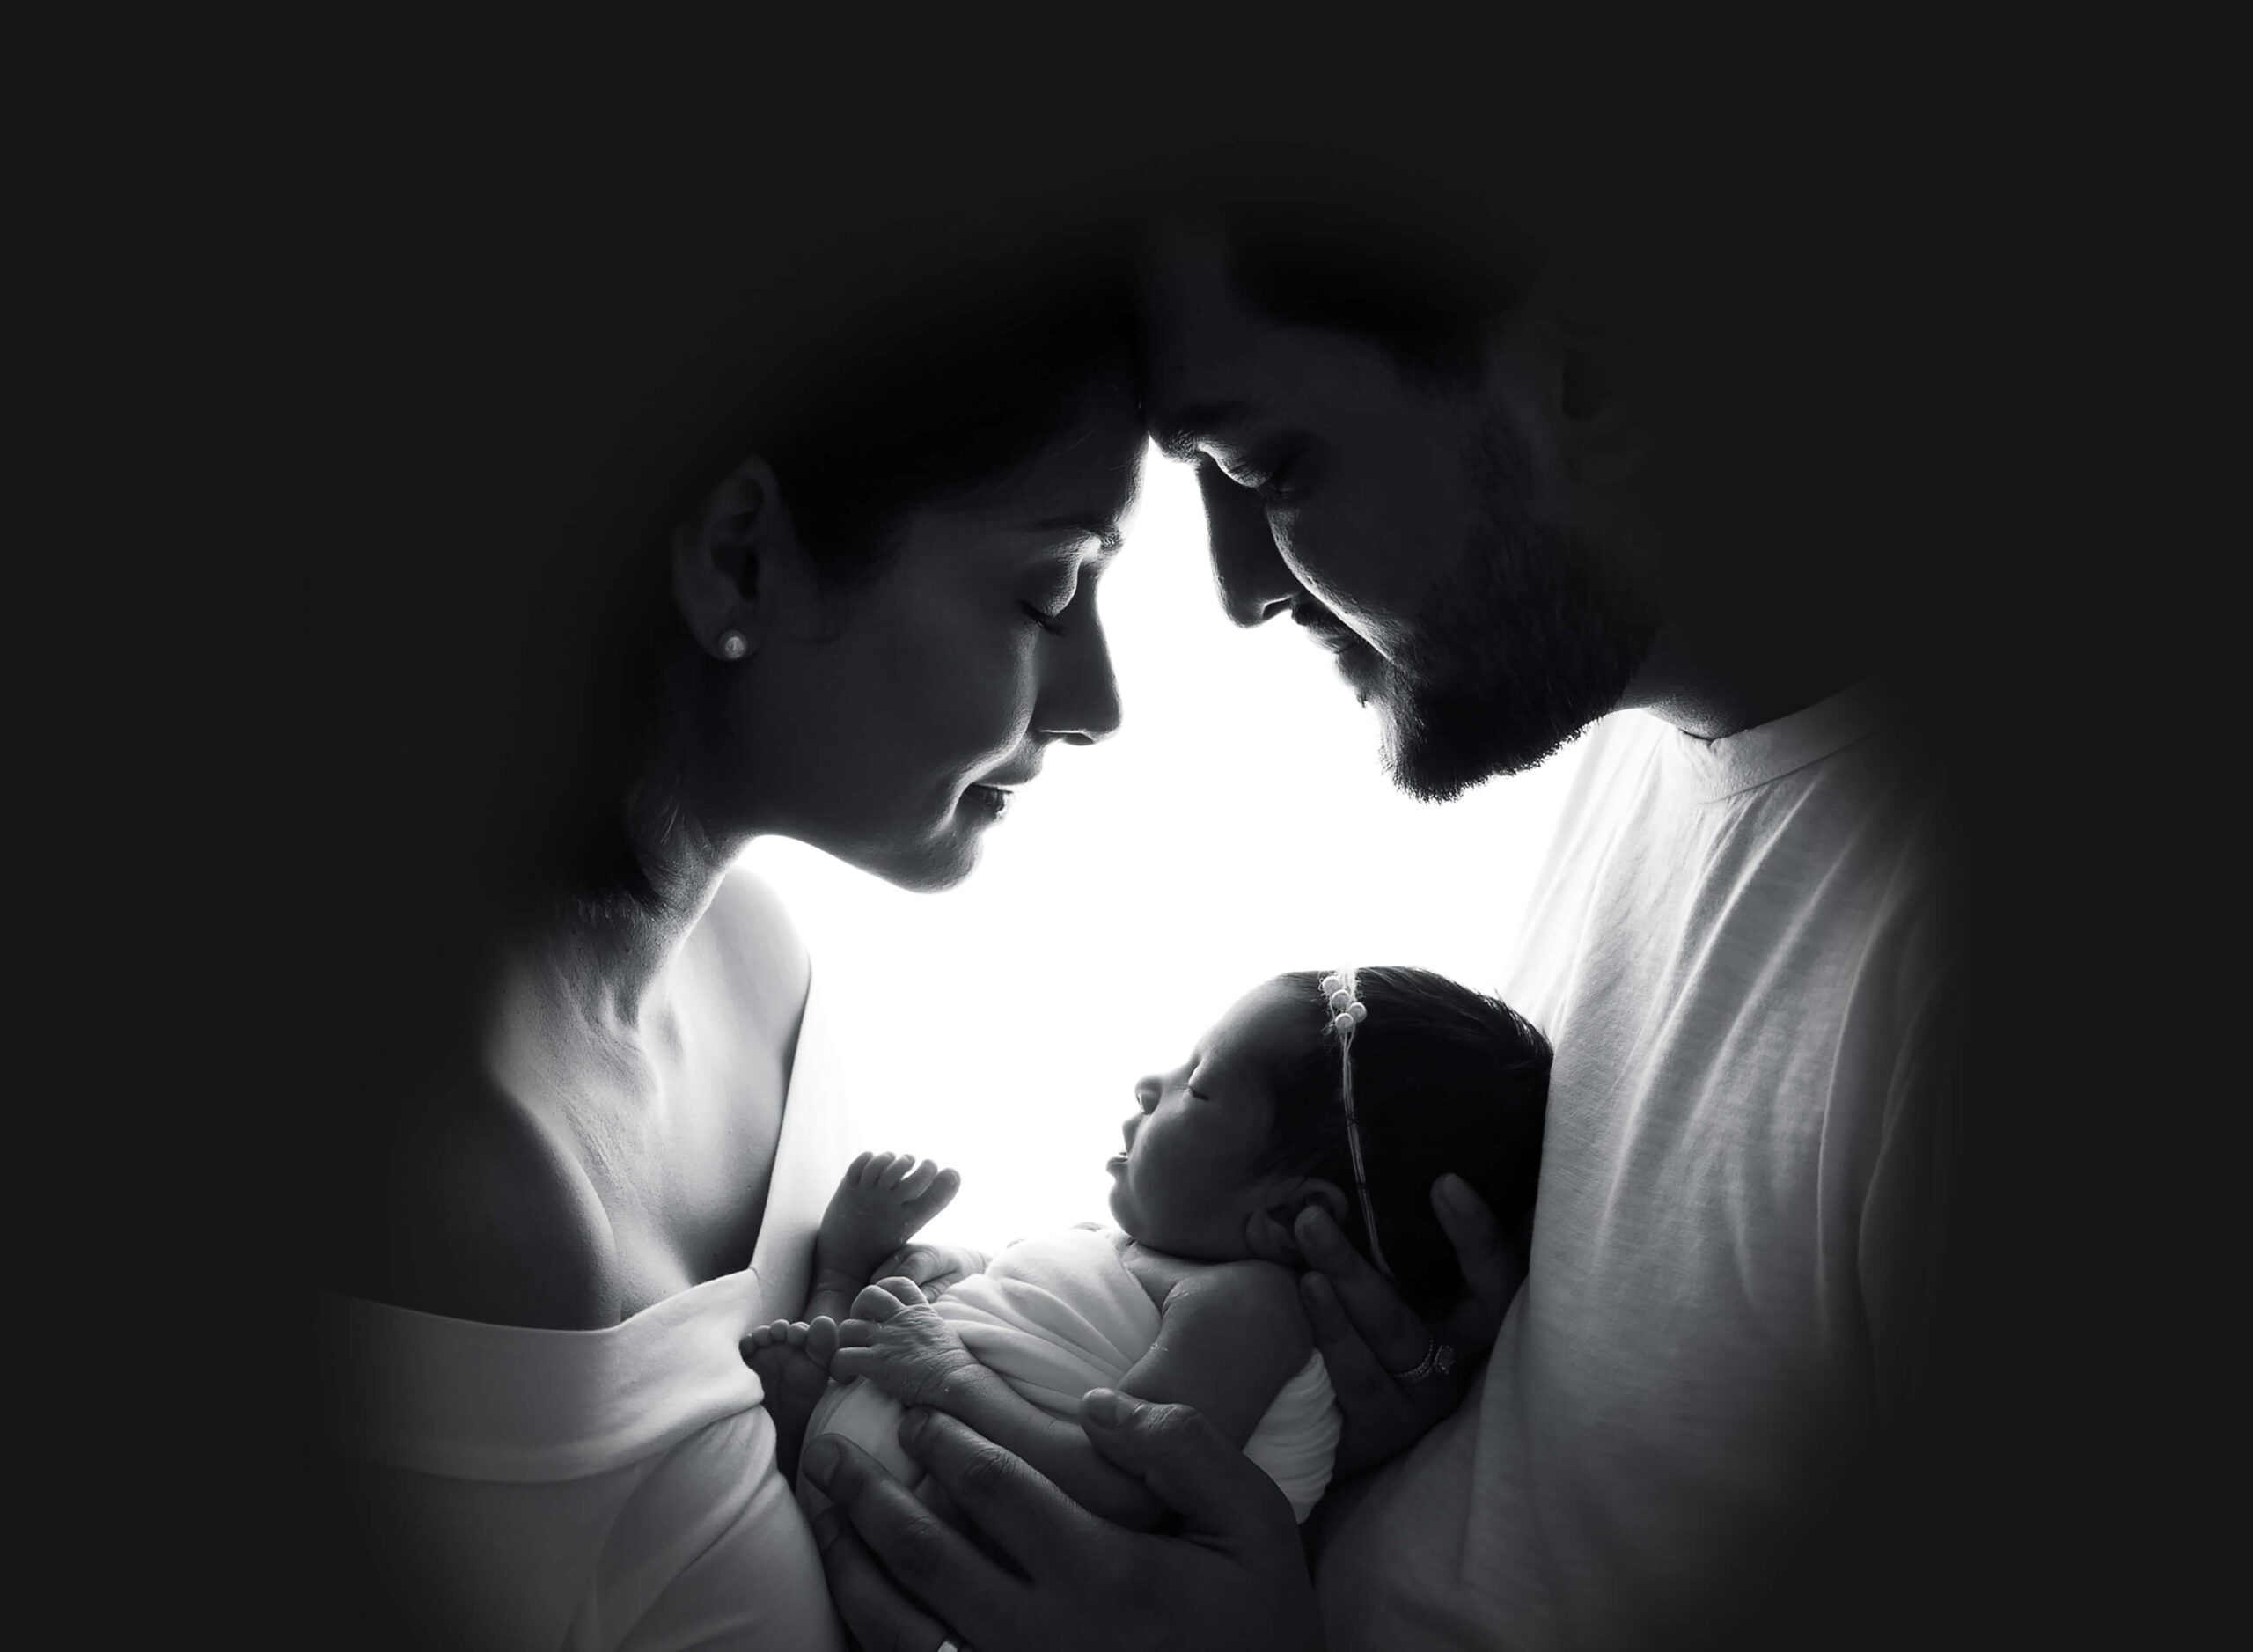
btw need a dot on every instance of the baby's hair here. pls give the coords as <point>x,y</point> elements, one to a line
<point>1444,1079</point>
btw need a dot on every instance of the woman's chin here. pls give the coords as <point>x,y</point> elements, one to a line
<point>925,866</point>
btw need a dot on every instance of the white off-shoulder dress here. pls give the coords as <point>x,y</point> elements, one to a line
<point>611,1488</point>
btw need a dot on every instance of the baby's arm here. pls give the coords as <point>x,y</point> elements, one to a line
<point>879,1204</point>
<point>1228,1337</point>
<point>882,1202</point>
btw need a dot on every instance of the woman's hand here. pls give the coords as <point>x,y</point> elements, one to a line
<point>1235,1576</point>
<point>1369,1337</point>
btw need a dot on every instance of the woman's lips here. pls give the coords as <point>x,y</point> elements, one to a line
<point>994,800</point>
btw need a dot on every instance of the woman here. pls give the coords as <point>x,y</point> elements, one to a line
<point>840,586</point>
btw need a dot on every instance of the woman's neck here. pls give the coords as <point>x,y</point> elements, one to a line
<point>599,964</point>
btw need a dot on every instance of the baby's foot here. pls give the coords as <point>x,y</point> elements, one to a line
<point>792,1361</point>
<point>882,1201</point>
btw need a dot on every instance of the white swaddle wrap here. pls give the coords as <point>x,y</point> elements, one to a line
<point>1059,1315</point>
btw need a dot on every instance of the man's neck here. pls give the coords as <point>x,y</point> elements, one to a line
<point>1719,680</point>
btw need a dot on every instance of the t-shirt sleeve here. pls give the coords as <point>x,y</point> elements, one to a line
<point>1910,1206</point>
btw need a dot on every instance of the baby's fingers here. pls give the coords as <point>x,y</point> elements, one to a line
<point>875,1168</point>
<point>849,1363</point>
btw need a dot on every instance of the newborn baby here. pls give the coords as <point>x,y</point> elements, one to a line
<point>1355,1091</point>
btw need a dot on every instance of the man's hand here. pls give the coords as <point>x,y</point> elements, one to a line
<point>1234,1577</point>
<point>1368,1335</point>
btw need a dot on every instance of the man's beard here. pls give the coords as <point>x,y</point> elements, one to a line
<point>1525,642</point>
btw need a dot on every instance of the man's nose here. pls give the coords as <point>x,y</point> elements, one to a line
<point>1255,585</point>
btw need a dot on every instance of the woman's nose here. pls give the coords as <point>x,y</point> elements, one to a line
<point>1080,703</point>
<point>1255,583</point>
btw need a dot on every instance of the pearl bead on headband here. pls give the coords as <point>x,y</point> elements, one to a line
<point>1347,1012</point>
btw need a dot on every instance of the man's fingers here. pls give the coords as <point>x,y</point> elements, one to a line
<point>1219,1493</point>
<point>1365,1389</point>
<point>1492,1268</point>
<point>1017,1507</point>
<point>933,1562</point>
<point>871,1605</point>
<point>1394,1334</point>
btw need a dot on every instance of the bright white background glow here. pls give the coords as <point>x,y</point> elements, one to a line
<point>1238,825</point>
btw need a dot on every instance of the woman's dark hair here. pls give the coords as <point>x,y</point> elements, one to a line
<point>928,402</point>
<point>1444,1079</point>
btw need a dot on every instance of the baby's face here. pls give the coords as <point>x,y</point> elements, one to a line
<point>1186,1183</point>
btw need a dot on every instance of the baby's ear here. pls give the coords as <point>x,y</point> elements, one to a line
<point>1267,1236</point>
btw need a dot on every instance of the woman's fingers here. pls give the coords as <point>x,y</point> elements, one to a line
<point>871,1605</point>
<point>931,1561</point>
<point>1221,1495</point>
<point>1492,1268</point>
<point>1393,1333</point>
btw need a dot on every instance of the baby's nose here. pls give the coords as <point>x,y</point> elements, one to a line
<point>1147,1092</point>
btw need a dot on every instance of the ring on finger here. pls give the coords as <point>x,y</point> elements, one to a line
<point>1439,1358</point>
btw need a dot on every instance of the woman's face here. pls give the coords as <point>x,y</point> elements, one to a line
<point>1188,1180</point>
<point>890,727</point>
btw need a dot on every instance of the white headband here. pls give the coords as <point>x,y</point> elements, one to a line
<point>1347,1012</point>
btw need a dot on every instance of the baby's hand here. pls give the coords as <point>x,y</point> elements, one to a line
<point>897,1341</point>
<point>792,1361</point>
<point>882,1201</point>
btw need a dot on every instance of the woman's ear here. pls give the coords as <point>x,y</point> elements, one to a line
<point>726,558</point>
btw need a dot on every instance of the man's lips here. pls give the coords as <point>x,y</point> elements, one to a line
<point>1324,629</point>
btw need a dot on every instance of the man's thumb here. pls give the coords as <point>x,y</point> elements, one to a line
<point>1185,1462</point>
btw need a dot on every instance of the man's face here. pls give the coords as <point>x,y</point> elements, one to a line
<point>1412,522</point>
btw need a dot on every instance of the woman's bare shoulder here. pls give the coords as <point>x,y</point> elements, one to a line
<point>750,930</point>
<point>474,1210</point>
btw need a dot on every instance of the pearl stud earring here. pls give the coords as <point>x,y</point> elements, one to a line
<point>733,645</point>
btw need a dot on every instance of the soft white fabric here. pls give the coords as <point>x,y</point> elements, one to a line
<point>1738,950</point>
<point>611,1488</point>
<point>1059,1315</point>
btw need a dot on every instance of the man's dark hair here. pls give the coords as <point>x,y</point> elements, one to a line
<point>1444,1079</point>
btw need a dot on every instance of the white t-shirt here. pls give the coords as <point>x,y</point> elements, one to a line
<point>1739,951</point>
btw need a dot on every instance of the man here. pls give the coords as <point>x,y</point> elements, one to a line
<point>1509,507</point>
